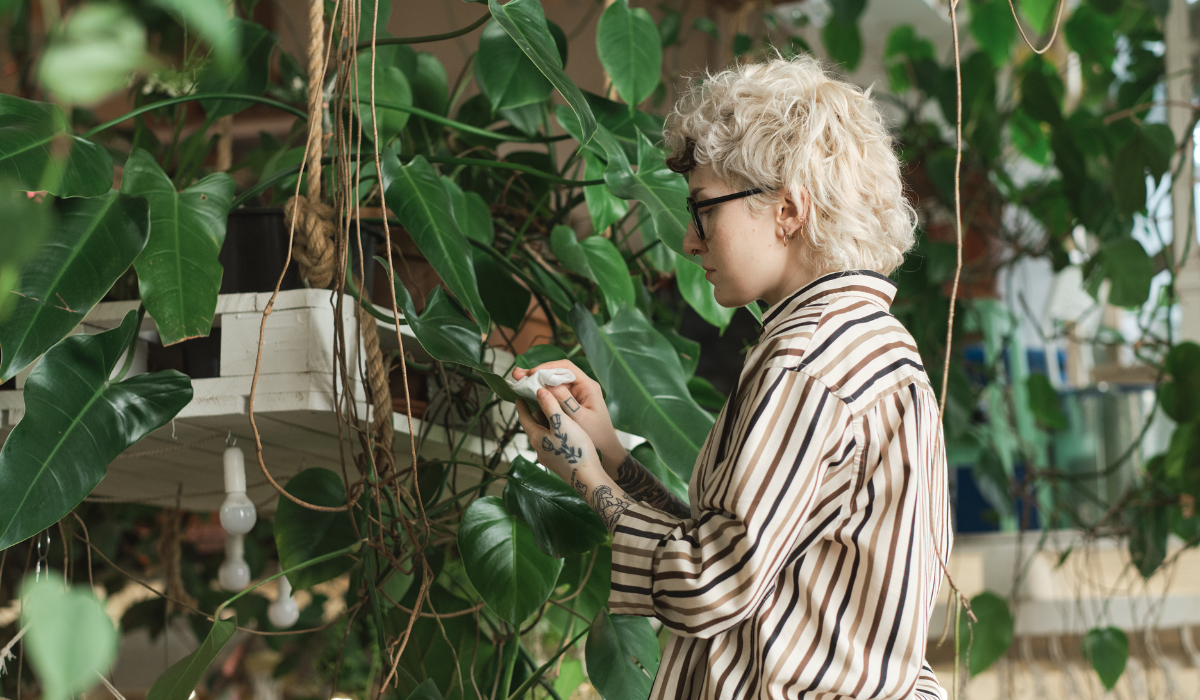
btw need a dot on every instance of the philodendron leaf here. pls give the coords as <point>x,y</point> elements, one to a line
<point>77,420</point>
<point>663,191</point>
<point>180,680</point>
<point>630,50</point>
<point>441,329</point>
<point>1107,648</point>
<point>504,73</point>
<point>94,241</point>
<point>525,22</point>
<point>566,248</point>
<point>179,275</point>
<point>70,639</point>
<point>428,690</point>
<point>249,76</point>
<point>302,534</point>
<point>992,634</point>
<point>563,525</point>
<point>508,302</point>
<point>646,387</point>
<point>618,648</point>
<point>699,293</point>
<point>502,561</point>
<point>603,208</point>
<point>612,274</point>
<point>34,220</point>
<point>417,195</point>
<point>27,132</point>
<point>391,86</point>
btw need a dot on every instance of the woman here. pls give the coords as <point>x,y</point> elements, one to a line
<point>809,555</point>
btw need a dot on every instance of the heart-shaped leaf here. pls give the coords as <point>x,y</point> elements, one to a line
<point>391,86</point>
<point>1107,648</point>
<point>302,534</point>
<point>94,242</point>
<point>471,213</point>
<point>248,76</point>
<point>77,420</point>
<point>503,562</point>
<point>504,73</point>
<point>612,274</point>
<point>992,634</point>
<point>417,195</point>
<point>70,640</point>
<point>525,22</point>
<point>1180,397</point>
<point>646,387</point>
<point>180,680</point>
<point>630,50</point>
<point>27,130</point>
<point>603,208</point>
<point>178,272</point>
<point>92,54</point>
<point>563,525</point>
<point>441,329</point>
<point>618,648</point>
<point>508,302</point>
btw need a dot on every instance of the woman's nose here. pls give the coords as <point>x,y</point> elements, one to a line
<point>691,240</point>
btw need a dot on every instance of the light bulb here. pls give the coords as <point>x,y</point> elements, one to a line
<point>237,512</point>
<point>234,574</point>
<point>284,611</point>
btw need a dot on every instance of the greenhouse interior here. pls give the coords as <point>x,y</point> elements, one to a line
<point>403,352</point>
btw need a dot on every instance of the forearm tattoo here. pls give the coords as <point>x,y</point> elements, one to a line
<point>580,487</point>
<point>609,505</point>
<point>573,454</point>
<point>638,482</point>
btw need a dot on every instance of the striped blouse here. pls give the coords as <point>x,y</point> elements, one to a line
<point>819,507</point>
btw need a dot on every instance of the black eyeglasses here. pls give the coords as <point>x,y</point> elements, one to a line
<point>694,207</point>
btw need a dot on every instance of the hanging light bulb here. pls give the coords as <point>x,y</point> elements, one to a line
<point>284,611</point>
<point>234,574</point>
<point>237,512</point>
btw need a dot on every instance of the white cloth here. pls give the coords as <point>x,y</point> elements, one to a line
<point>528,385</point>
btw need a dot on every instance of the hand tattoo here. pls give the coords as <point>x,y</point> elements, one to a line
<point>573,454</point>
<point>573,404</point>
<point>608,505</point>
<point>580,487</point>
<point>640,483</point>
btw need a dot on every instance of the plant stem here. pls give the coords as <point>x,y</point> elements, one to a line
<point>459,126</point>
<point>524,687</point>
<point>427,38</point>
<point>506,679</point>
<point>191,98</point>
<point>351,549</point>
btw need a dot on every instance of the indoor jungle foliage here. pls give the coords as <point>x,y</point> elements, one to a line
<point>491,574</point>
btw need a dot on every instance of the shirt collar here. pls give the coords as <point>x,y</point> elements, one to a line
<point>867,284</point>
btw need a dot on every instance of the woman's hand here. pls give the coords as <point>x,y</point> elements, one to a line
<point>564,446</point>
<point>583,401</point>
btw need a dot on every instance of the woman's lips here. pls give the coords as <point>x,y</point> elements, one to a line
<point>708,272</point>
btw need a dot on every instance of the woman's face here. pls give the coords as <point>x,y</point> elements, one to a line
<point>745,252</point>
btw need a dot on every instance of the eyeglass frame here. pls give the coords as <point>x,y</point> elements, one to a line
<point>694,206</point>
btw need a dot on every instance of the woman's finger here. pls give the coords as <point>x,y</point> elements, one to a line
<point>527,421</point>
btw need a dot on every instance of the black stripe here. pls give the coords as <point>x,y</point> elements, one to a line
<point>809,357</point>
<point>881,374</point>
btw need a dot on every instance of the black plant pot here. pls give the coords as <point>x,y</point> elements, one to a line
<point>256,247</point>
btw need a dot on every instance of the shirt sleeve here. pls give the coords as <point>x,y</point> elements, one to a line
<point>703,575</point>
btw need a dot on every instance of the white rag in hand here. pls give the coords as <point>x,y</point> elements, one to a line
<point>528,385</point>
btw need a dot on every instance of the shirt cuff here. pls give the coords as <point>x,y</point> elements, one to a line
<point>638,532</point>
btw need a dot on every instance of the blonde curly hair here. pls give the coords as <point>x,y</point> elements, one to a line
<point>787,123</point>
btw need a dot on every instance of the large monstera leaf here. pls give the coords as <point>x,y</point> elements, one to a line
<point>94,241</point>
<point>178,272</point>
<point>77,420</point>
<point>646,386</point>
<point>563,525</point>
<point>27,133</point>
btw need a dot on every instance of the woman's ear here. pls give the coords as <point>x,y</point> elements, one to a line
<point>792,209</point>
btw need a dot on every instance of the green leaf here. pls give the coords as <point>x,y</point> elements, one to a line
<point>504,73</point>
<point>1182,461</point>
<point>1180,394</point>
<point>705,393</point>
<point>668,28</point>
<point>618,648</point>
<point>418,197</point>
<point>211,19</point>
<point>596,587</point>
<point>180,680</point>
<point>1125,263</point>
<point>76,422</point>
<point>1045,402</point>
<point>434,644</point>
<point>525,22</point>
<point>699,293</point>
<point>1041,95</point>
<point>34,220</point>
<point>92,54</point>
<point>430,84</point>
<point>663,192</point>
<point>1148,541</point>
<point>901,52</point>
<point>471,213</point>
<point>843,42</point>
<point>563,525</point>
<point>503,561</point>
<point>1039,13</point>
<point>179,275</point>
<point>70,639</point>
<point>1107,648</point>
<point>646,387</point>
<point>1028,137</point>
<point>248,77</point>
<point>391,86</point>
<point>570,677</point>
<point>508,302</point>
<point>630,50</point>
<point>428,690</point>
<point>302,534</point>
<point>741,44</point>
<point>441,329</point>
<point>569,253</point>
<point>603,208</point>
<point>707,26</point>
<point>612,274</point>
<point>27,130</point>
<point>992,634</point>
<point>993,28</point>
<point>539,354</point>
<point>689,350</point>
<point>1147,152</point>
<point>94,241</point>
